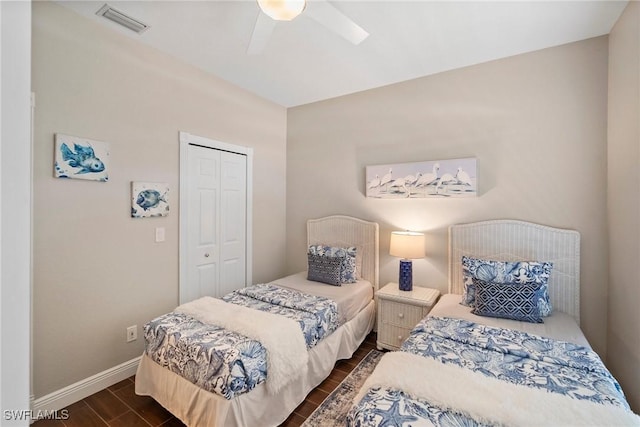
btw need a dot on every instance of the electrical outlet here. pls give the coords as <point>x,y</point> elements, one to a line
<point>132,333</point>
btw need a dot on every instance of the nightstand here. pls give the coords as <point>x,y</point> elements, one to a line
<point>399,311</point>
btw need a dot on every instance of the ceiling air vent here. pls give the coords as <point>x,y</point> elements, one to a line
<point>123,19</point>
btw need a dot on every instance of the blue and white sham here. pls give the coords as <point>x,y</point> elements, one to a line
<point>225,362</point>
<point>507,355</point>
<point>514,272</point>
<point>347,256</point>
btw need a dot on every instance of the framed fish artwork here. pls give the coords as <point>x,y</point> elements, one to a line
<point>81,158</point>
<point>149,199</point>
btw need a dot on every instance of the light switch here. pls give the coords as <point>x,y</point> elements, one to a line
<point>159,234</point>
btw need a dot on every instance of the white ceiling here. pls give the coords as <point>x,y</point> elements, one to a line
<point>305,62</point>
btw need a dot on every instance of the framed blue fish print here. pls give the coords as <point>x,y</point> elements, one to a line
<point>149,199</point>
<point>81,158</point>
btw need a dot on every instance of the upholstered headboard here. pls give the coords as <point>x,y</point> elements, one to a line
<point>343,231</point>
<point>510,240</point>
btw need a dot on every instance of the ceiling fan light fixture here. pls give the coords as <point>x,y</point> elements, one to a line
<point>282,10</point>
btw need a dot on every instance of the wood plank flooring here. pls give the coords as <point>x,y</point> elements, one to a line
<point>119,406</point>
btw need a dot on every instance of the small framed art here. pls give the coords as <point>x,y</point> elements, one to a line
<point>81,158</point>
<point>149,199</point>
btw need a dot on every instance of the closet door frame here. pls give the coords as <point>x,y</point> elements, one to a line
<point>187,139</point>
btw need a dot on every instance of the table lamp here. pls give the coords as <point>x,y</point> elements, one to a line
<point>408,245</point>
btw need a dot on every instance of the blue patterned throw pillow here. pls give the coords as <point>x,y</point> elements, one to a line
<point>514,301</point>
<point>348,267</point>
<point>515,272</point>
<point>325,269</point>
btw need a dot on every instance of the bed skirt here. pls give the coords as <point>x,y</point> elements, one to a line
<point>198,407</point>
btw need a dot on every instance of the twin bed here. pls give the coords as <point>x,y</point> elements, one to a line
<point>456,367</point>
<point>212,372</point>
<point>462,366</point>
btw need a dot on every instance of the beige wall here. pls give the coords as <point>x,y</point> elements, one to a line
<point>535,122</point>
<point>96,269</point>
<point>623,351</point>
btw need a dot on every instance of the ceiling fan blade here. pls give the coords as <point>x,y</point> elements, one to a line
<point>261,34</point>
<point>327,15</point>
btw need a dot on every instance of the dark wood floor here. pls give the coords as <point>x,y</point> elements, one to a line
<point>118,405</point>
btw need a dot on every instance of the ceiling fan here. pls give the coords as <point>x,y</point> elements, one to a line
<point>321,11</point>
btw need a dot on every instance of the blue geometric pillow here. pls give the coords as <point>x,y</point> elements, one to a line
<point>325,269</point>
<point>508,300</point>
<point>348,268</point>
<point>515,272</point>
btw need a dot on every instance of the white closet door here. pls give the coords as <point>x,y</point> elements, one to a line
<point>203,222</point>
<point>233,217</point>
<point>216,223</point>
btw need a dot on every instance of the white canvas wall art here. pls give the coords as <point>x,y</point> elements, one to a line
<point>149,199</point>
<point>81,158</point>
<point>436,178</point>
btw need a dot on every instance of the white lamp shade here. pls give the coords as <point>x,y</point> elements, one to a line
<point>407,244</point>
<point>282,10</point>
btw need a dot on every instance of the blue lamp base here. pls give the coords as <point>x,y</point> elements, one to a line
<point>406,275</point>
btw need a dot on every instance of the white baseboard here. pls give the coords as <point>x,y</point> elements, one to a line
<point>66,396</point>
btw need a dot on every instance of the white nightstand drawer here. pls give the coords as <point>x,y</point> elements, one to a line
<point>398,314</point>
<point>393,336</point>
<point>400,311</point>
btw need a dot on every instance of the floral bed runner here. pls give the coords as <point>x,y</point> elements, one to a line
<point>225,362</point>
<point>317,316</point>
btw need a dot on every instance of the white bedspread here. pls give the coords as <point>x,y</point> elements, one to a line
<point>280,336</point>
<point>486,399</point>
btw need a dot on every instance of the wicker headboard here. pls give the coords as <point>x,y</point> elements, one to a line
<point>510,240</point>
<point>340,230</point>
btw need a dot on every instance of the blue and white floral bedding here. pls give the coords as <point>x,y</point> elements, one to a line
<point>503,354</point>
<point>225,362</point>
<point>317,316</point>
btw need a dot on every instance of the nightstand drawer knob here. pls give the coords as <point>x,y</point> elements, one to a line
<point>399,337</point>
<point>401,315</point>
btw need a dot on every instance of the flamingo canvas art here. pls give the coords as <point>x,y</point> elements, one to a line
<point>434,178</point>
